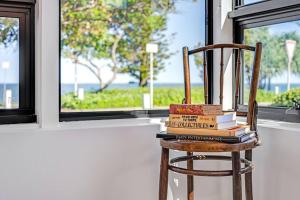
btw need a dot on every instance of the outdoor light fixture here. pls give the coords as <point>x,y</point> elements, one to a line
<point>151,48</point>
<point>76,79</point>
<point>116,3</point>
<point>290,49</point>
<point>5,67</point>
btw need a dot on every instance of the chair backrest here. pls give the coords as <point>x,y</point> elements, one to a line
<point>252,105</point>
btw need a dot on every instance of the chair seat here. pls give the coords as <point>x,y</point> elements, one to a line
<point>208,146</point>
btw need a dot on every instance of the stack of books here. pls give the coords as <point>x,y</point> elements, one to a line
<point>204,122</point>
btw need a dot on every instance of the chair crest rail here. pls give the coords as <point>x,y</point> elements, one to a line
<point>220,46</point>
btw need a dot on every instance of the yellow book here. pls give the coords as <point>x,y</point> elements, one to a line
<point>226,117</point>
<point>206,125</point>
<point>236,131</point>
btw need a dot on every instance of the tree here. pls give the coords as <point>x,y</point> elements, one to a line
<point>9,29</point>
<point>198,60</point>
<point>99,35</point>
<point>273,55</point>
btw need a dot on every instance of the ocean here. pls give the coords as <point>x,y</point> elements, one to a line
<point>67,88</point>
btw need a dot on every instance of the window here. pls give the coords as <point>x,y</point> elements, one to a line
<point>17,62</point>
<point>279,31</point>
<point>113,52</point>
<point>9,52</point>
<point>251,1</point>
<point>280,64</point>
<point>246,2</point>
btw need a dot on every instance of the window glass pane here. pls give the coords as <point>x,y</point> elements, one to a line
<point>105,62</point>
<point>9,63</point>
<point>279,83</point>
<point>251,1</point>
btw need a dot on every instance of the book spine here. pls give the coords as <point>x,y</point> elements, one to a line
<point>182,124</point>
<point>190,131</point>
<point>198,138</point>
<point>195,110</point>
<point>192,118</point>
<point>197,106</point>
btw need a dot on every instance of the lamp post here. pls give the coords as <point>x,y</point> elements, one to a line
<point>151,48</point>
<point>5,67</point>
<point>290,49</point>
<point>76,80</point>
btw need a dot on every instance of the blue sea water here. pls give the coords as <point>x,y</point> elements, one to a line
<point>67,88</point>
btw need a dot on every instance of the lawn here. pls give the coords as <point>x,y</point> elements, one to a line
<point>133,98</point>
<point>128,98</point>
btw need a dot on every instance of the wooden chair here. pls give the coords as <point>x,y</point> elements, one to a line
<point>198,146</point>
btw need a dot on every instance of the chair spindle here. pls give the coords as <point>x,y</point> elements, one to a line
<point>221,76</point>
<point>205,77</point>
<point>254,84</point>
<point>237,79</point>
<point>187,81</point>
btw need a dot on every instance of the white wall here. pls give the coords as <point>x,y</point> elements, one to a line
<point>277,174</point>
<point>80,163</point>
<point>84,161</point>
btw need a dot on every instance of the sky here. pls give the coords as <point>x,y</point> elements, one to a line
<point>9,55</point>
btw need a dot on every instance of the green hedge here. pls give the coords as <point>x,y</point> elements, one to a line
<point>262,96</point>
<point>163,97</point>
<point>128,98</point>
<point>286,99</point>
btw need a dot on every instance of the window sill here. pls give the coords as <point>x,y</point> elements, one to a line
<point>134,122</point>
<point>279,125</point>
<point>96,124</point>
<point>112,123</point>
<point>273,124</point>
<point>278,114</point>
<point>9,128</point>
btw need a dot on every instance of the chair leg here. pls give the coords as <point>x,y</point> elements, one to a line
<point>248,178</point>
<point>236,178</point>
<point>164,174</point>
<point>190,179</point>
